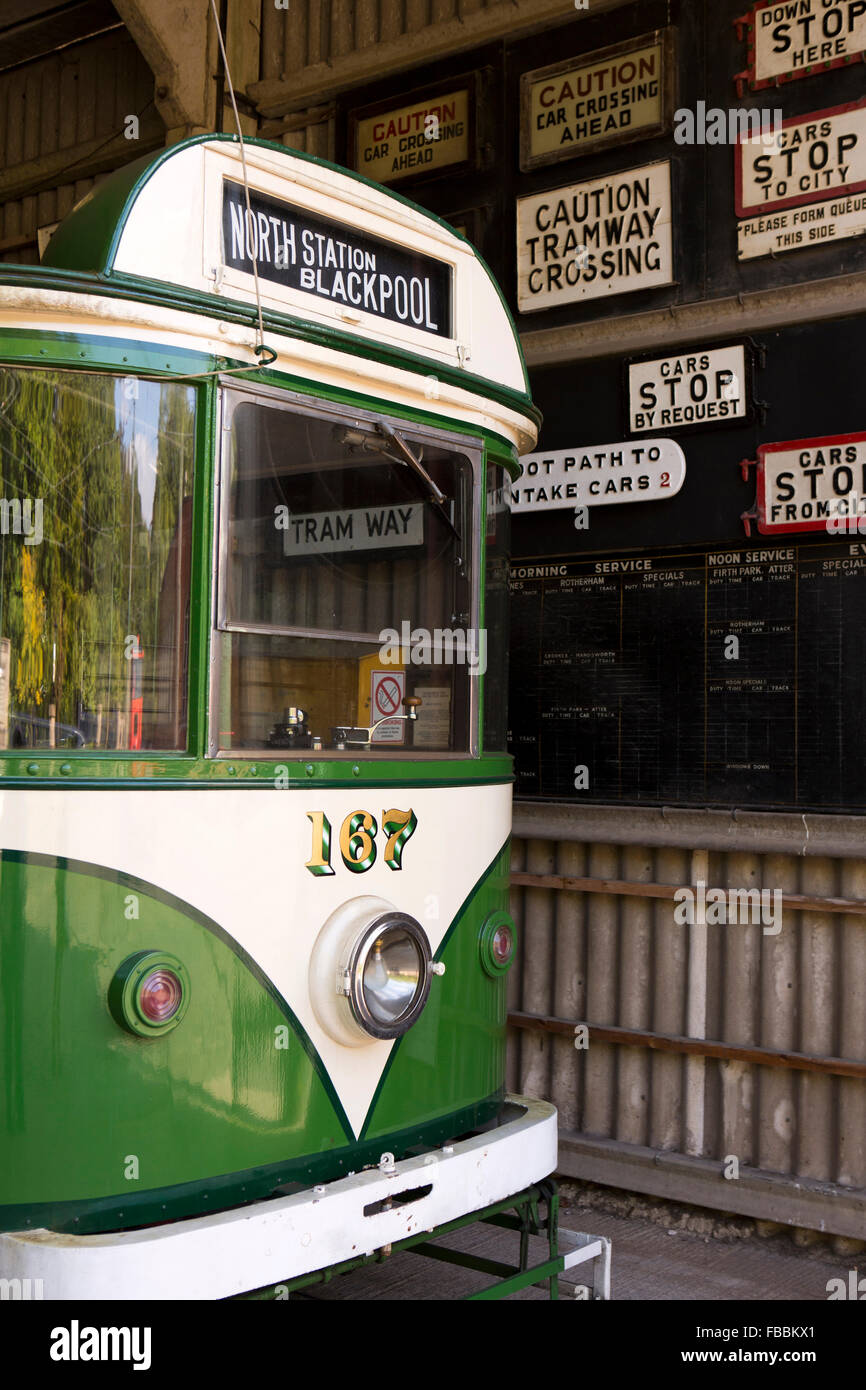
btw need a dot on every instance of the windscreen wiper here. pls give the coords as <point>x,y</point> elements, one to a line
<point>406,456</point>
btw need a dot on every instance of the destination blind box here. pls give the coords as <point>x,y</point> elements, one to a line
<point>301,250</point>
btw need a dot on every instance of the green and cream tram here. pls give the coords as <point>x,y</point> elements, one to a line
<point>258,420</point>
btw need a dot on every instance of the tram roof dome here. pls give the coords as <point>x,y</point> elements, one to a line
<point>330,249</point>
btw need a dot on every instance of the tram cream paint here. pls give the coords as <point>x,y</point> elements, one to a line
<point>244,867</point>
<point>37,310</point>
<point>173,234</point>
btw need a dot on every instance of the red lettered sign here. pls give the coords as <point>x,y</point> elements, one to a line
<point>812,484</point>
<point>821,155</point>
<point>788,39</point>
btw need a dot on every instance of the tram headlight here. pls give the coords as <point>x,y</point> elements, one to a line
<point>370,972</point>
<point>389,975</point>
<point>149,993</point>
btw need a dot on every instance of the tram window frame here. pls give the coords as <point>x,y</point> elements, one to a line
<point>470,446</point>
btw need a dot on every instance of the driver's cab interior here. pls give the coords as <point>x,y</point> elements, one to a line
<point>347,594</point>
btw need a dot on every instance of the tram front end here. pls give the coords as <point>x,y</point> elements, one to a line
<point>254,857</point>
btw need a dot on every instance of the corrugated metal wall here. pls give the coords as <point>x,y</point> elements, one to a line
<point>785,1015</point>
<point>73,103</point>
<point>320,31</point>
<point>313,33</point>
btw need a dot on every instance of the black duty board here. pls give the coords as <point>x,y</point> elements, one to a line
<point>626,667</point>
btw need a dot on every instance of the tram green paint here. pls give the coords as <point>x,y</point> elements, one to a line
<point>214,1112</point>
<point>456,1050</point>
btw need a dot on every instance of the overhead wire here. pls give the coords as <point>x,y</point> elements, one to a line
<point>260,347</point>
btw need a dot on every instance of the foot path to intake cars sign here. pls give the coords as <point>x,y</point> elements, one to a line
<point>803,185</point>
<point>607,236</point>
<point>599,475</point>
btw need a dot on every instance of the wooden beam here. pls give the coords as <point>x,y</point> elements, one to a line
<point>177,40</point>
<point>753,311</point>
<point>796,902</point>
<point>315,115</point>
<point>324,80</point>
<point>83,161</point>
<point>695,1047</point>
<point>17,243</point>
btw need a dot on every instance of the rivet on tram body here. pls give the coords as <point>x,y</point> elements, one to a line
<point>356,771</point>
<point>232,771</point>
<point>33,768</point>
<point>309,769</point>
<point>253,770</point>
<point>66,768</point>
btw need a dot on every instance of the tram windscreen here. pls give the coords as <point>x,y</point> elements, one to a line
<point>95,528</point>
<point>346,587</point>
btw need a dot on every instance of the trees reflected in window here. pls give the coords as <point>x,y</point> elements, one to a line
<point>95,538</point>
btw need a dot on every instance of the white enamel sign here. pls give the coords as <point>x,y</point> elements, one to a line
<point>599,475</point>
<point>832,220</point>
<point>807,186</point>
<point>811,484</point>
<point>796,38</point>
<point>698,387</point>
<point>815,156</point>
<point>615,94</point>
<point>612,235</point>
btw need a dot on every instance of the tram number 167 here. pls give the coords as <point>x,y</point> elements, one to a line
<point>358,840</point>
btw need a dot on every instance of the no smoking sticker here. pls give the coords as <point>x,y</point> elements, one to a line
<point>387,689</point>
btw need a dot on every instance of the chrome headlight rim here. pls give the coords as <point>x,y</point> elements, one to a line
<point>354,975</point>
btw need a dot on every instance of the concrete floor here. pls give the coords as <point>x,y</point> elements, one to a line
<point>650,1261</point>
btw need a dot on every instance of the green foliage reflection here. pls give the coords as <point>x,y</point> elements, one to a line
<point>95,517</point>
